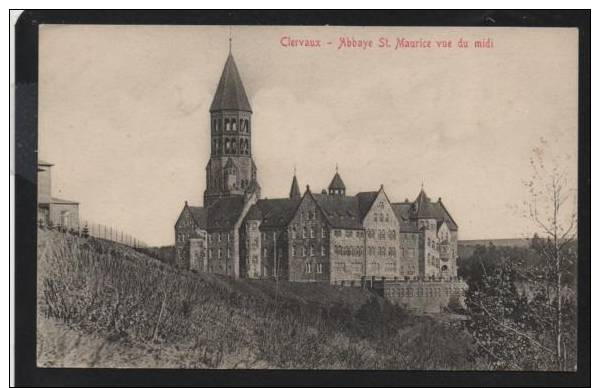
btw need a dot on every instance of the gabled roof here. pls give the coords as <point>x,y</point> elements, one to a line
<point>199,215</point>
<point>277,212</point>
<point>341,211</point>
<point>223,213</point>
<point>365,201</point>
<point>337,182</point>
<point>406,211</point>
<point>230,94</point>
<point>422,207</point>
<point>402,210</point>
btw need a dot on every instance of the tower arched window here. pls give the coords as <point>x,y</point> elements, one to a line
<point>233,146</point>
<point>226,125</point>
<point>233,124</point>
<point>227,147</point>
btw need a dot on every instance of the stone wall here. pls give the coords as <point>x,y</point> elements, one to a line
<point>421,296</point>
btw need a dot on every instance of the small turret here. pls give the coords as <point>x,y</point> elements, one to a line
<point>337,186</point>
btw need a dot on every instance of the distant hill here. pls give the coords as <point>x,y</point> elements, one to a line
<point>102,304</point>
<point>466,247</point>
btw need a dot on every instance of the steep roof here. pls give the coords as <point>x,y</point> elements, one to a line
<point>341,211</point>
<point>406,211</point>
<point>422,207</point>
<point>365,201</point>
<point>199,215</point>
<point>402,210</point>
<point>230,94</point>
<point>337,182</point>
<point>294,189</point>
<point>276,212</point>
<point>223,213</point>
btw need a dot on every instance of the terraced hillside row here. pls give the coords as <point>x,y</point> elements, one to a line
<point>102,304</point>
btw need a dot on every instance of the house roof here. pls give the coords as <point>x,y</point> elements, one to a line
<point>59,201</point>
<point>341,211</point>
<point>199,215</point>
<point>223,213</point>
<point>230,94</point>
<point>276,212</point>
<point>406,211</point>
<point>365,201</point>
<point>337,182</point>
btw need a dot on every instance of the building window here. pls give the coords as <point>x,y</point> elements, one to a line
<point>304,232</point>
<point>303,251</point>
<point>294,251</point>
<point>312,250</point>
<point>294,231</point>
<point>312,232</point>
<point>307,268</point>
<point>323,232</point>
<point>220,254</point>
<point>323,251</point>
<point>220,238</point>
<point>319,268</point>
<point>210,253</point>
<point>265,252</point>
<point>337,233</point>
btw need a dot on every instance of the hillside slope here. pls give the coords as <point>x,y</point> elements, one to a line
<point>101,304</point>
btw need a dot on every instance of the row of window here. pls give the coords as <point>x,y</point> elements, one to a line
<point>310,251</point>
<point>349,233</point>
<point>230,146</point>
<point>380,217</point>
<point>309,232</point>
<point>219,253</point>
<point>231,124</point>
<point>382,251</point>
<point>309,267</point>
<point>219,237</point>
<point>339,266</point>
<point>381,234</point>
<point>349,251</point>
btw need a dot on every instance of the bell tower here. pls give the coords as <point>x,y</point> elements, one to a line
<point>230,170</point>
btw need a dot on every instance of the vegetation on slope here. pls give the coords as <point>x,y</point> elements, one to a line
<point>116,307</point>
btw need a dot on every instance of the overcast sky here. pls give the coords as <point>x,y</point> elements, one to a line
<point>123,115</point>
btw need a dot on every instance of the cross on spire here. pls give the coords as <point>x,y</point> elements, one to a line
<point>229,39</point>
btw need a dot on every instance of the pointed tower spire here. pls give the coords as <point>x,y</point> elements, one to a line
<point>230,94</point>
<point>295,188</point>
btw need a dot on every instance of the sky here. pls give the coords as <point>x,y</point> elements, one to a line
<point>124,116</point>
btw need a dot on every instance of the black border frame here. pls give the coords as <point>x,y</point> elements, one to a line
<point>26,74</point>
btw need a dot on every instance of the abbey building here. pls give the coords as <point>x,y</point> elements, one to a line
<point>330,236</point>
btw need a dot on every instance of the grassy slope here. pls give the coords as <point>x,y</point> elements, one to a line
<point>105,305</point>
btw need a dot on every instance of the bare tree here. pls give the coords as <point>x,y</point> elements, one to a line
<point>552,208</point>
